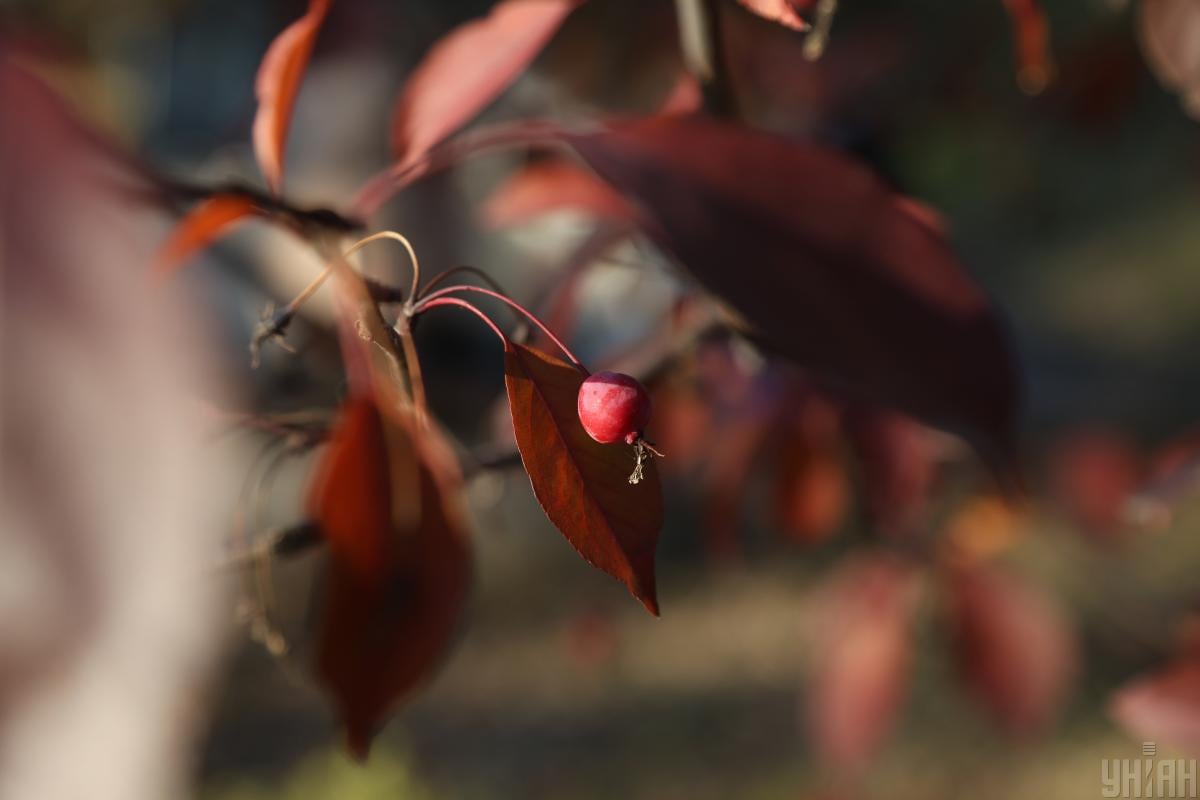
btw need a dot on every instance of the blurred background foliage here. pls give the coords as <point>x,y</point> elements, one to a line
<point>1075,208</point>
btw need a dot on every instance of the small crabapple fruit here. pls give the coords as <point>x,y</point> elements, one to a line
<point>613,407</point>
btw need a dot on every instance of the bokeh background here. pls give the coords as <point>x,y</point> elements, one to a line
<point>1075,208</point>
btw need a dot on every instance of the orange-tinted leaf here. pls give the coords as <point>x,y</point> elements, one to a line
<point>582,485</point>
<point>384,497</point>
<point>1031,33</point>
<point>785,12</point>
<point>1163,707</point>
<point>469,68</point>
<point>864,652</point>
<point>811,486</point>
<point>1016,652</point>
<point>552,184</point>
<point>824,262</point>
<point>985,526</point>
<point>1168,31</point>
<point>202,226</point>
<point>276,86</point>
<point>810,494</point>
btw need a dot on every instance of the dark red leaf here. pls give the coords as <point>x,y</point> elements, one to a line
<point>552,184</point>
<point>864,652</point>
<point>583,486</point>
<point>276,86</point>
<point>827,265</point>
<point>1031,33</point>
<point>384,497</point>
<point>1163,706</point>
<point>1168,31</point>
<point>469,68</point>
<point>202,226</point>
<point>1016,652</point>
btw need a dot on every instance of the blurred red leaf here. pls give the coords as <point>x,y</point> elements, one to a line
<point>399,563</point>
<point>1163,706</point>
<point>1031,33</point>
<point>785,12</point>
<point>811,485</point>
<point>276,86</point>
<point>202,226</point>
<point>582,485</point>
<point>469,68</point>
<point>1093,475</point>
<point>864,651</point>
<point>827,265</point>
<point>1168,31</point>
<point>552,184</point>
<point>1016,652</point>
<point>899,464</point>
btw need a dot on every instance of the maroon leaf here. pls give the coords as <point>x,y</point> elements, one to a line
<point>1163,706</point>
<point>862,672</point>
<point>582,485</point>
<point>202,226</point>
<point>277,84</point>
<point>1016,652</point>
<point>383,496</point>
<point>1031,33</point>
<point>469,68</point>
<point>1168,31</point>
<point>827,265</point>
<point>552,184</point>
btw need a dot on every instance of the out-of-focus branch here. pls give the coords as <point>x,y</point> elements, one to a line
<point>703,49</point>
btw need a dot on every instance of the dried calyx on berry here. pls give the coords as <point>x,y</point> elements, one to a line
<point>615,407</point>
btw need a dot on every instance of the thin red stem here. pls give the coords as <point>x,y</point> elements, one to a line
<point>454,301</point>
<point>442,293</point>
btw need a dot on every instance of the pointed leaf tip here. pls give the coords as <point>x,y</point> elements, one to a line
<point>276,86</point>
<point>199,228</point>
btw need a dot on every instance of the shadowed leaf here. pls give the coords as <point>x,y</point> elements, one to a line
<point>582,485</point>
<point>383,495</point>
<point>202,226</point>
<point>898,460</point>
<point>276,87</point>
<point>1016,652</point>
<point>469,68</point>
<point>864,650</point>
<point>826,264</point>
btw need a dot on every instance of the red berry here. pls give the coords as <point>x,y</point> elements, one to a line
<point>613,407</point>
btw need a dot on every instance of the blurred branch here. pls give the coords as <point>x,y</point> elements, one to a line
<point>703,49</point>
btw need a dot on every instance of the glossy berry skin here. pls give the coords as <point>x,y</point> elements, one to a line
<point>613,407</point>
